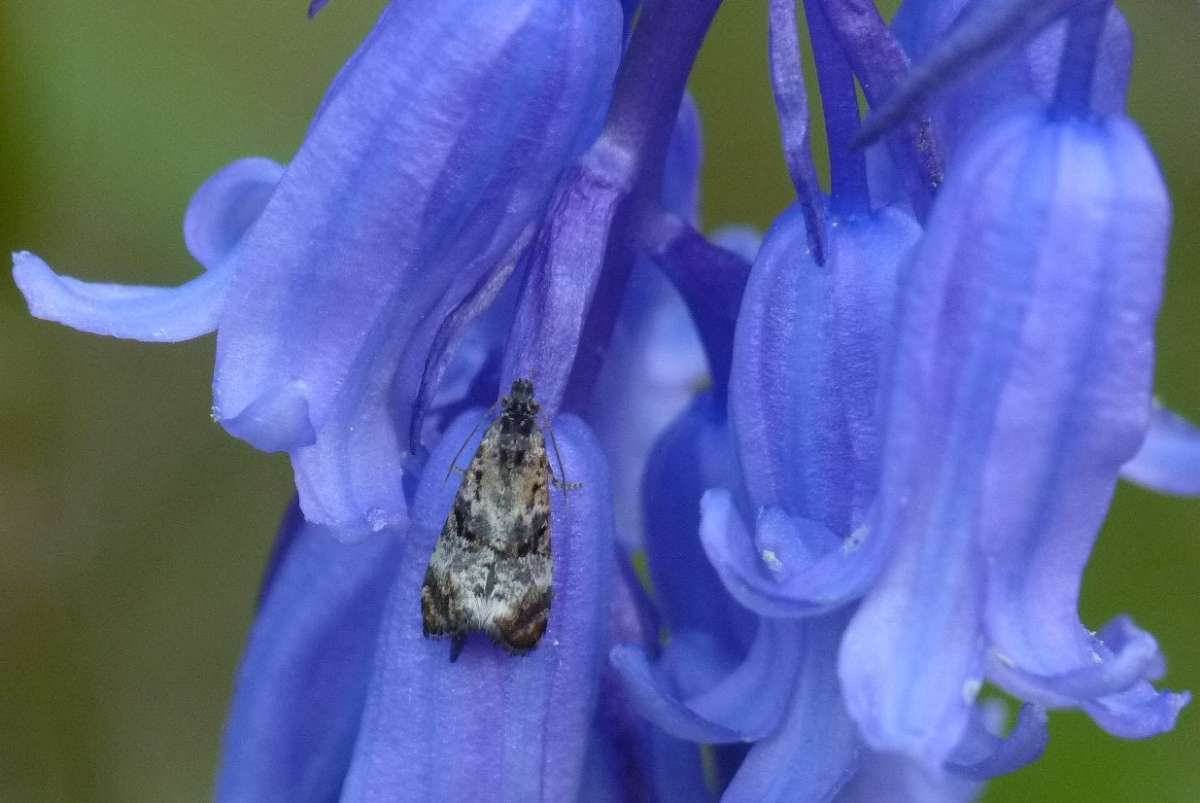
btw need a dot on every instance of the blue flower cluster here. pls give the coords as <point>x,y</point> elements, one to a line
<point>862,462</point>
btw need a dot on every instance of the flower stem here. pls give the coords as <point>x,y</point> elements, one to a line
<point>651,82</point>
<point>791,104</point>
<point>1073,95</point>
<point>847,164</point>
<point>881,67</point>
<point>631,153</point>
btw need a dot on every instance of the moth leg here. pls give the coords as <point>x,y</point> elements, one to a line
<point>565,486</point>
<point>457,642</point>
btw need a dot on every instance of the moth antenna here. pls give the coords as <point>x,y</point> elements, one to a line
<point>458,454</point>
<point>562,469</point>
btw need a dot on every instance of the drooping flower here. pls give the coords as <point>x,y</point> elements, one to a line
<point>1017,389</point>
<point>436,147</point>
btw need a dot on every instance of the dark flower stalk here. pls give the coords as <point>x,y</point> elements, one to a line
<point>581,261</point>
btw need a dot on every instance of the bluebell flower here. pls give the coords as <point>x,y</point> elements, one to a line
<point>303,681</point>
<point>864,460</point>
<point>436,146</point>
<point>1017,389</point>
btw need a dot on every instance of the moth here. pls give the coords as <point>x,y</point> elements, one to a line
<point>491,570</point>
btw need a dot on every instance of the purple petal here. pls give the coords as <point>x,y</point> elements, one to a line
<point>654,364</point>
<point>1073,414</point>
<point>1139,712</point>
<point>815,750</point>
<point>315,7</point>
<point>1114,688</point>
<point>220,212</point>
<point>1169,460</point>
<point>983,754</point>
<point>743,240</point>
<point>303,681</point>
<point>226,206</point>
<point>655,767</point>
<point>455,326</point>
<point>1126,656</point>
<point>1019,388</point>
<point>804,386</point>
<point>641,761</point>
<point>630,758</point>
<point>152,314</point>
<point>681,176</point>
<point>746,705</point>
<point>491,725</point>
<point>651,693</point>
<point>694,453</point>
<point>275,421</point>
<point>791,567</point>
<point>436,146</point>
<point>710,280</point>
<point>911,660</point>
<point>898,779</point>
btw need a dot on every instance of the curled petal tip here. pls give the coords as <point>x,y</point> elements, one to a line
<point>220,212</point>
<point>983,754</point>
<point>226,205</point>
<point>652,697</point>
<point>132,312</point>
<point>792,567</point>
<point>1114,687</point>
<point>744,705</point>
<point>1169,460</point>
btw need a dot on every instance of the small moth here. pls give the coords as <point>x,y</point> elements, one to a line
<point>491,570</point>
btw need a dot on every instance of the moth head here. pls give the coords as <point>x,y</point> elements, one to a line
<point>520,400</point>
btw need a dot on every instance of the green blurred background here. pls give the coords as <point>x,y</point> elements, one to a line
<point>133,530</point>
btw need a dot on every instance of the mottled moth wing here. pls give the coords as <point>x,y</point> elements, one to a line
<point>491,570</point>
